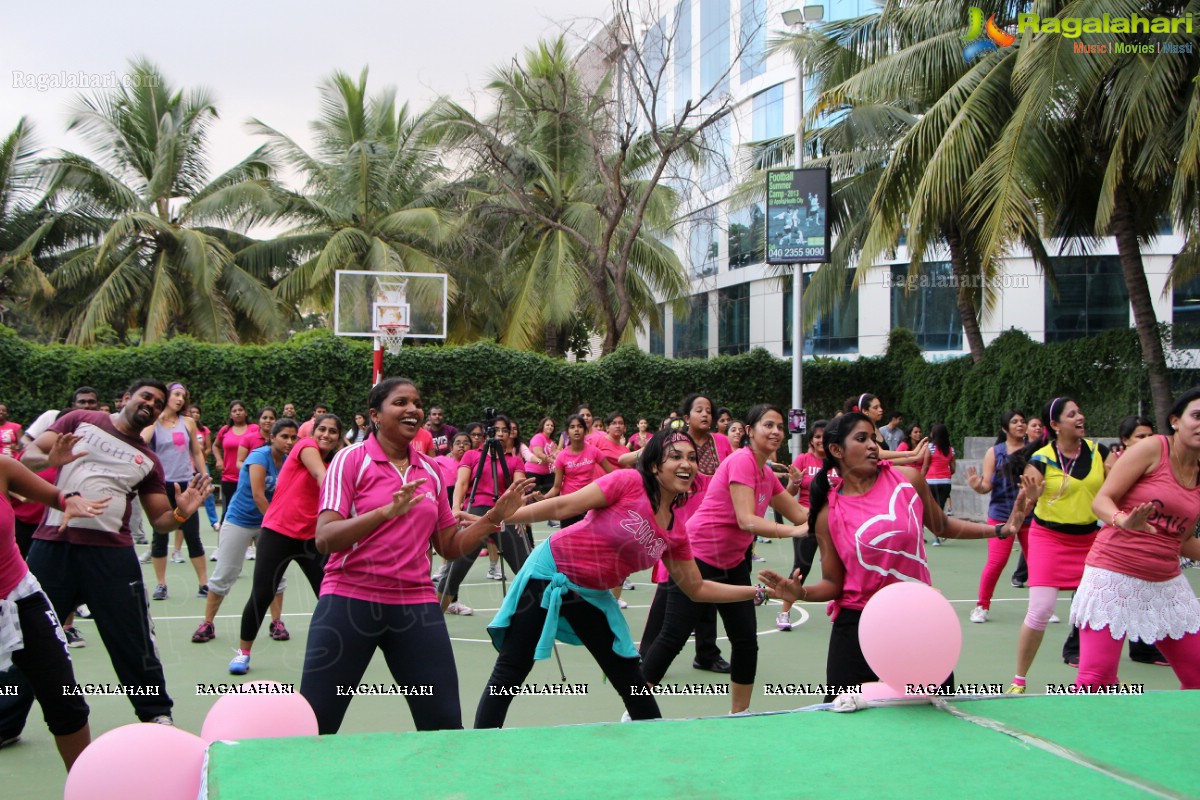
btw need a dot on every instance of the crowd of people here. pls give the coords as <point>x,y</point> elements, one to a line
<point>362,509</point>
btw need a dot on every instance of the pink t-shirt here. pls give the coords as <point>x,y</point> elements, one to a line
<point>809,465</point>
<point>12,566</point>
<point>449,468</point>
<point>713,528</point>
<point>483,494</point>
<point>253,439</point>
<point>611,450</point>
<point>939,465</point>
<point>579,469</point>
<point>293,509</point>
<point>613,542</point>
<point>10,439</point>
<point>879,536</point>
<point>539,445</point>
<point>391,563</point>
<point>229,442</point>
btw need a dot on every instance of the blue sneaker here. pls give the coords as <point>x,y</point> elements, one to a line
<point>240,664</point>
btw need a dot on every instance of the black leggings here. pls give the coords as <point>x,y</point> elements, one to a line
<point>228,490</point>
<point>514,548</point>
<point>590,624</point>
<point>682,613</point>
<point>707,652</point>
<point>343,637</point>
<point>804,552</point>
<point>845,665</point>
<point>191,533</point>
<point>274,551</point>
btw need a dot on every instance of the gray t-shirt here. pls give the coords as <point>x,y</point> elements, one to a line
<point>892,436</point>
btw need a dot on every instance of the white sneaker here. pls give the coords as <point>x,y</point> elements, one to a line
<point>460,609</point>
<point>176,557</point>
<point>493,573</point>
<point>144,558</point>
<point>621,603</point>
<point>250,554</point>
<point>783,620</point>
<point>1054,618</point>
<point>625,717</point>
<point>980,614</point>
<point>216,526</point>
<point>628,585</point>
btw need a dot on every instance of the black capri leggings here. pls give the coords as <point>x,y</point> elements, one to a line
<point>191,533</point>
<point>45,665</point>
<point>682,613</point>
<point>514,548</point>
<point>274,551</point>
<point>343,637</point>
<point>228,490</point>
<point>804,551</point>
<point>589,623</point>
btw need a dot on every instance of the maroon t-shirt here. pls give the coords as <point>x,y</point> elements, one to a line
<point>117,465</point>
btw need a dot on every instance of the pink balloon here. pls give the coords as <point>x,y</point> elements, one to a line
<point>910,636</point>
<point>262,714</point>
<point>140,760</point>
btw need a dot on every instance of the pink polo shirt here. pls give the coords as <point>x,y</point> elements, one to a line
<point>713,528</point>
<point>613,542</point>
<point>391,563</point>
<point>578,468</point>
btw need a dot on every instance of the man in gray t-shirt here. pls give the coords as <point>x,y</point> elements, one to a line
<point>893,432</point>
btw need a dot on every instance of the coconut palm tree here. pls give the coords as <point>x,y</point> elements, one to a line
<point>372,197</point>
<point>22,267</point>
<point>150,248</point>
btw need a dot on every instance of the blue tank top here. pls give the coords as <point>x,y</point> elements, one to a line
<point>1004,488</point>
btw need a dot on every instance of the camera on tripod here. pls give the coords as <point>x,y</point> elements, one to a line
<point>489,421</point>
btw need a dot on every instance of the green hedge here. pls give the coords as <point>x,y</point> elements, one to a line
<point>1104,373</point>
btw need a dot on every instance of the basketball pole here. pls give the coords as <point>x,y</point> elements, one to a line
<point>377,366</point>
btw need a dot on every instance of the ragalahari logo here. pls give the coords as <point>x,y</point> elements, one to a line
<point>996,37</point>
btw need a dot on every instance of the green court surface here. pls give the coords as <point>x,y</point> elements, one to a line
<point>32,770</point>
<point>873,753</point>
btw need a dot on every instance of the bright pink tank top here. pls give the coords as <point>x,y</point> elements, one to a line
<point>1150,556</point>
<point>879,536</point>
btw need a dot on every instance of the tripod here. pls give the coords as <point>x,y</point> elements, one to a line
<point>492,458</point>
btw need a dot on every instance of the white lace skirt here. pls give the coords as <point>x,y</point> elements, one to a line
<point>1128,606</point>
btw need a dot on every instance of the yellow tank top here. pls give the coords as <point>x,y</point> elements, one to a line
<point>1067,501</point>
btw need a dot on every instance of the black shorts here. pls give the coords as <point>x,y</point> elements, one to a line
<point>46,665</point>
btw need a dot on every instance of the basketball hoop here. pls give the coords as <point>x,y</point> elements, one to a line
<point>391,336</point>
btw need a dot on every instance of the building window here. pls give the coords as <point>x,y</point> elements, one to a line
<point>752,37</point>
<point>835,333</point>
<point>691,331</point>
<point>714,45</point>
<point>718,156</point>
<point>930,308</point>
<point>704,243</point>
<point>657,328</point>
<point>683,55</point>
<point>733,320</point>
<point>768,114</point>
<point>747,236</point>
<point>1092,297</point>
<point>1185,314</point>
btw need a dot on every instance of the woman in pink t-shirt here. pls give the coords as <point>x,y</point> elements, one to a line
<point>543,449</point>
<point>562,591</point>
<point>448,464</point>
<point>575,465</point>
<point>610,441</point>
<point>721,533</point>
<point>641,436</point>
<point>807,465</point>
<point>870,524</point>
<point>31,638</point>
<point>1131,584</point>
<point>225,449</point>
<point>256,437</point>
<point>381,509</point>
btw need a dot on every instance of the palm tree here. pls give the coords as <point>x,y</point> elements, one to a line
<point>372,196</point>
<point>22,276</point>
<point>1091,149</point>
<point>578,195</point>
<point>149,247</point>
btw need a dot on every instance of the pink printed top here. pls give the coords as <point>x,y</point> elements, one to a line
<point>809,465</point>
<point>12,566</point>
<point>293,509</point>
<point>1150,556</point>
<point>613,542</point>
<point>578,468</point>
<point>879,536</point>
<point>539,445</point>
<point>713,528</point>
<point>391,563</point>
<point>485,490</point>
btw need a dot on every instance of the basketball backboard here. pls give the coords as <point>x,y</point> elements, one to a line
<point>365,300</point>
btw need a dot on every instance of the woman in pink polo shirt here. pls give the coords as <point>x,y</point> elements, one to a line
<point>382,506</point>
<point>562,591</point>
<point>575,465</point>
<point>722,532</point>
<point>870,522</point>
<point>1131,584</point>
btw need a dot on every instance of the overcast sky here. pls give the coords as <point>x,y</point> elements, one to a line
<point>264,58</point>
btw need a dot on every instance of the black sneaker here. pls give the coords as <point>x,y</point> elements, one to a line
<point>73,637</point>
<point>8,741</point>
<point>160,592</point>
<point>202,591</point>
<point>720,666</point>
<point>1017,584</point>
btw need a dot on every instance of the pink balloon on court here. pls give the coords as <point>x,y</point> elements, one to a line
<point>909,634</point>
<point>263,714</point>
<point>140,760</point>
